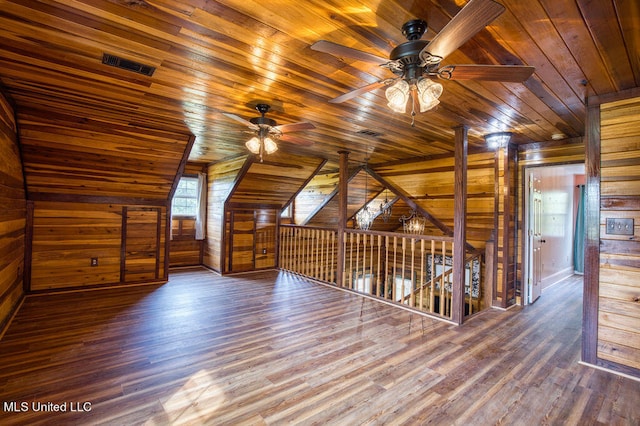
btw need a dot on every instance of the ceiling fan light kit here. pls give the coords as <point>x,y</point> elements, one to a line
<point>267,132</point>
<point>425,91</point>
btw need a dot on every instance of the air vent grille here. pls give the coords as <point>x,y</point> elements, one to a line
<point>126,64</point>
<point>370,133</point>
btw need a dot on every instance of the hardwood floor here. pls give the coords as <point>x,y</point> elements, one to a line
<point>271,348</point>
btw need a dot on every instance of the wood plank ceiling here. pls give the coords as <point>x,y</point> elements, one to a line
<point>212,57</point>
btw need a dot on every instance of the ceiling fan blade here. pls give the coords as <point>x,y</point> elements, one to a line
<point>294,139</point>
<point>240,119</point>
<point>473,17</point>
<point>507,73</point>
<point>295,127</point>
<point>362,90</point>
<point>341,51</point>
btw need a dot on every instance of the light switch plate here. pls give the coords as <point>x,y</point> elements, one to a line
<point>619,226</point>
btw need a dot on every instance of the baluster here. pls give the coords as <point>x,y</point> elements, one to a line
<point>364,260</point>
<point>301,259</point>
<point>395,268</point>
<point>385,290</point>
<point>282,245</point>
<point>287,251</point>
<point>309,253</point>
<point>303,251</point>
<point>315,264</point>
<point>350,259</point>
<point>323,267</point>
<point>404,271</point>
<point>294,253</point>
<point>379,267</point>
<point>319,265</point>
<point>284,251</point>
<point>373,273</point>
<point>432,287</point>
<point>442,281</point>
<point>357,269</point>
<point>413,274</point>
<point>334,237</point>
<point>421,282</point>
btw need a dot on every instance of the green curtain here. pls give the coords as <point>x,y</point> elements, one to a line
<point>579,236</point>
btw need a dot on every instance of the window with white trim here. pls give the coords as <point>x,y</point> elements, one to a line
<point>185,199</point>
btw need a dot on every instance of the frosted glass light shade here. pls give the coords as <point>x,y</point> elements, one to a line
<point>398,95</point>
<point>497,140</point>
<point>253,145</point>
<point>428,94</point>
<point>270,146</point>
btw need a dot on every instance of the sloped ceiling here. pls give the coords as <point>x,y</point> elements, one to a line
<point>273,182</point>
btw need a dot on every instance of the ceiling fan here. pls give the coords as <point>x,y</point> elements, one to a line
<point>416,62</point>
<point>266,132</point>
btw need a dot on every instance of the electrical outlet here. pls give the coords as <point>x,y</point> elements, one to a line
<point>94,261</point>
<point>264,251</point>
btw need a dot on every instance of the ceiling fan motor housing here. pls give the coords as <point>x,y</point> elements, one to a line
<point>414,29</point>
<point>263,121</point>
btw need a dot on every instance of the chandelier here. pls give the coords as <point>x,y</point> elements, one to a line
<point>364,218</point>
<point>413,223</point>
<point>385,208</point>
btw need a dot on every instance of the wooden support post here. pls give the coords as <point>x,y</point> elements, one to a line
<point>459,223</point>
<point>592,240</point>
<point>343,184</point>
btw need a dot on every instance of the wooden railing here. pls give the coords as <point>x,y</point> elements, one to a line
<point>414,271</point>
<point>312,252</point>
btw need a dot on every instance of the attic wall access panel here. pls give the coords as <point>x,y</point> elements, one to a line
<point>251,239</point>
<point>141,244</point>
<point>241,228</point>
<point>65,236</point>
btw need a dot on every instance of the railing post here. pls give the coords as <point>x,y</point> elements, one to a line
<point>342,213</point>
<point>459,224</point>
<point>489,273</point>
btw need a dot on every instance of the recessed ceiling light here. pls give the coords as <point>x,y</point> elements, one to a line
<point>558,136</point>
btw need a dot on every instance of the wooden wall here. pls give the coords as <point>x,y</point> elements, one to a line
<point>619,272</point>
<point>221,178</point>
<point>317,191</point>
<point>506,193</point>
<point>185,249</point>
<point>128,242</point>
<point>12,216</point>
<point>430,183</point>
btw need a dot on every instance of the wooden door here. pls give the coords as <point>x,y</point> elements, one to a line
<point>535,240</point>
